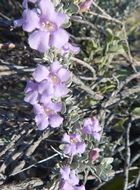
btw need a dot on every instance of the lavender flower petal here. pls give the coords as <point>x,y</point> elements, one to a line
<point>41,121</point>
<point>65,172</point>
<point>59,38</point>
<point>60,90</point>
<point>60,19</point>
<point>82,187</point>
<point>31,97</point>
<point>55,66</point>
<point>63,74</point>
<point>47,8</point>
<point>66,186</point>
<point>39,40</point>
<point>55,120</point>
<point>66,138</point>
<point>40,73</point>
<point>30,20</point>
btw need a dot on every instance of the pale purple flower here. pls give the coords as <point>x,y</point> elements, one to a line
<point>74,144</point>
<point>47,115</point>
<point>91,126</point>
<point>52,79</point>
<point>69,175</point>
<point>48,82</point>
<point>69,180</point>
<point>45,24</point>
<point>69,48</point>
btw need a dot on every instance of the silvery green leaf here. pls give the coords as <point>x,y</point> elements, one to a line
<point>74,165</point>
<point>73,8</point>
<point>84,157</point>
<point>108,160</point>
<point>74,118</point>
<point>67,24</point>
<point>56,2</point>
<point>109,34</point>
<point>60,7</point>
<point>61,147</point>
<point>63,110</point>
<point>76,17</point>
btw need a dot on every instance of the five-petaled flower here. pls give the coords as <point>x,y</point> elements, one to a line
<point>73,145</point>
<point>46,115</point>
<point>48,82</point>
<point>44,25</point>
<point>91,127</point>
<point>69,180</point>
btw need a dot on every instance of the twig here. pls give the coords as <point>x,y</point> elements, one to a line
<point>9,68</point>
<point>85,23</point>
<point>83,63</point>
<point>7,46</point>
<point>131,143</point>
<point>86,88</point>
<point>58,152</point>
<point>116,173</point>
<point>137,179</point>
<point>127,153</point>
<point>82,38</point>
<point>135,158</point>
<point>29,151</point>
<point>34,165</point>
<point>106,17</point>
<point>99,8</point>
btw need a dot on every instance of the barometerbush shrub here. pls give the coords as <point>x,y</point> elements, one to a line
<point>49,87</point>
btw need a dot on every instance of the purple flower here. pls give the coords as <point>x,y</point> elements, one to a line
<point>69,180</point>
<point>74,144</point>
<point>52,80</point>
<point>69,48</point>
<point>69,175</point>
<point>45,24</point>
<point>48,82</point>
<point>47,115</point>
<point>91,126</point>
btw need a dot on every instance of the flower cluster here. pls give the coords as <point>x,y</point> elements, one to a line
<point>91,127</point>
<point>69,180</point>
<point>49,85</point>
<point>44,25</point>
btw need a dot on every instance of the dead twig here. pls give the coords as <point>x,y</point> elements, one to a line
<point>34,165</point>
<point>127,152</point>
<point>84,64</point>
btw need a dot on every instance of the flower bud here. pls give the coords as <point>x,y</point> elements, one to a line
<point>85,6</point>
<point>94,154</point>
